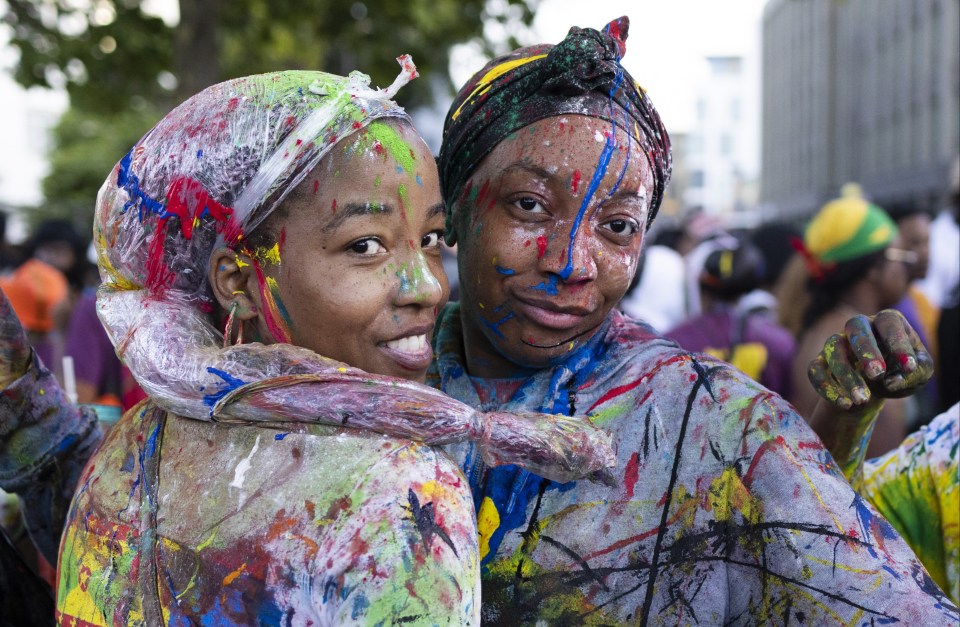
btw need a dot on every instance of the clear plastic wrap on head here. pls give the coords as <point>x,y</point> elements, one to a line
<point>207,175</point>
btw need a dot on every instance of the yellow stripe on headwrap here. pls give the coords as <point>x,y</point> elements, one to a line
<point>495,73</point>
<point>848,228</point>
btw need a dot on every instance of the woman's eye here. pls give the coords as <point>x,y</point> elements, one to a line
<point>431,240</point>
<point>529,204</point>
<point>369,246</point>
<point>622,227</point>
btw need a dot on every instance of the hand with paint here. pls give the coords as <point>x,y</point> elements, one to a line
<point>14,347</point>
<point>876,357</point>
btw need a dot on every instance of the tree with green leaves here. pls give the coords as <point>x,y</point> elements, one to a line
<point>124,68</point>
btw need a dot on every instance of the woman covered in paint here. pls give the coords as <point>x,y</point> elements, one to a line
<point>303,212</point>
<point>727,509</point>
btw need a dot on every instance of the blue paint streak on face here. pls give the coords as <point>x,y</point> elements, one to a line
<point>506,271</point>
<point>550,285</point>
<point>230,384</point>
<point>598,175</point>
<point>399,170</point>
<point>495,326</point>
<point>419,181</point>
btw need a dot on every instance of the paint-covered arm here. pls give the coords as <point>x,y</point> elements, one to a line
<point>44,439</point>
<point>915,487</point>
<point>874,358</point>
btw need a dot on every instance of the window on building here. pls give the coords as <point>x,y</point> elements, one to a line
<point>726,144</point>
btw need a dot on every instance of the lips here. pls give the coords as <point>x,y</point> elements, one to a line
<point>412,350</point>
<point>552,315</point>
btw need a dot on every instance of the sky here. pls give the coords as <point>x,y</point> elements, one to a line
<point>667,43</point>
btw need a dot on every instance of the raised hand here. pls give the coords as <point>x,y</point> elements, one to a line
<point>876,357</point>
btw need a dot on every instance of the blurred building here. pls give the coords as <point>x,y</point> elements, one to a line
<point>721,155</point>
<point>859,90</point>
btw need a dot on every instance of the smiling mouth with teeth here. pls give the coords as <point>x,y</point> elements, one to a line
<point>410,344</point>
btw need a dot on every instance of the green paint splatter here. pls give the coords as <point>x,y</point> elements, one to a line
<point>395,145</point>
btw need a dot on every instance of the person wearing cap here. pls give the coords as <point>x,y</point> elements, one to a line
<point>856,264</point>
<point>748,340</point>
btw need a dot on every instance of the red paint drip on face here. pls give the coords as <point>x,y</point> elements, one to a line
<point>283,239</point>
<point>316,185</point>
<point>333,206</point>
<point>541,246</point>
<point>483,191</point>
<point>576,181</point>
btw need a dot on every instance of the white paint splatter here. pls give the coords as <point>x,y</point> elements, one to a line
<point>597,135</point>
<point>241,470</point>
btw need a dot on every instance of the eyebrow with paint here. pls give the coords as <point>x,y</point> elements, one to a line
<point>532,169</point>
<point>356,210</point>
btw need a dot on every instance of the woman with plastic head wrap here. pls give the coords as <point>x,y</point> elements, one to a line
<point>727,508</point>
<point>300,212</point>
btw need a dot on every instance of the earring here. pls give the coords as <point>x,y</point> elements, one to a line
<point>228,327</point>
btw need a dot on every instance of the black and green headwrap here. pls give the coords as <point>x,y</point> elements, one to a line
<point>581,75</point>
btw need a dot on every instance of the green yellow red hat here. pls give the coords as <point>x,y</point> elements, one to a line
<point>848,228</point>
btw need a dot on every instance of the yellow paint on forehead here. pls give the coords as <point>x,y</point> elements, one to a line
<point>495,72</point>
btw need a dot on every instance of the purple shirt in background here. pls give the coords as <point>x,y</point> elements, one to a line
<point>715,332</point>
<point>94,360</point>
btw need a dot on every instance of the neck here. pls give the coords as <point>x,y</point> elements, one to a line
<point>861,297</point>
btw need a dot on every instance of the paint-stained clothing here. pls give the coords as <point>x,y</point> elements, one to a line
<point>302,525</point>
<point>917,488</point>
<point>728,509</point>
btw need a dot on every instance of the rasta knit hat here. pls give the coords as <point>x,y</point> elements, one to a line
<point>581,75</point>
<point>848,228</point>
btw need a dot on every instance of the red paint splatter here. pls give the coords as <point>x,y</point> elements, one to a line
<point>903,360</point>
<point>631,475</point>
<point>333,206</point>
<point>483,191</point>
<point>356,125</point>
<point>541,246</point>
<point>299,142</point>
<point>526,243</point>
<point>316,185</point>
<point>333,138</point>
<point>378,148</point>
<point>561,125</point>
<point>576,181</point>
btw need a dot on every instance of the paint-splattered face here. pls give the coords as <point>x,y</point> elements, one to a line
<point>357,267</point>
<point>550,227</point>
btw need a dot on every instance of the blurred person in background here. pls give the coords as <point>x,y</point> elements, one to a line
<point>748,340</point>
<point>657,294</point>
<point>773,240</point>
<point>914,226</point>
<point>857,265</point>
<point>943,275</point>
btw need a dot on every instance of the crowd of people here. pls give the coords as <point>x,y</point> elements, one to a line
<point>324,439</point>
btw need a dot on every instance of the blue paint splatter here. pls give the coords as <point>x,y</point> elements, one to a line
<point>550,285</point>
<point>495,326</point>
<point>419,181</point>
<point>506,271</point>
<point>280,436</point>
<point>231,384</point>
<point>199,153</point>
